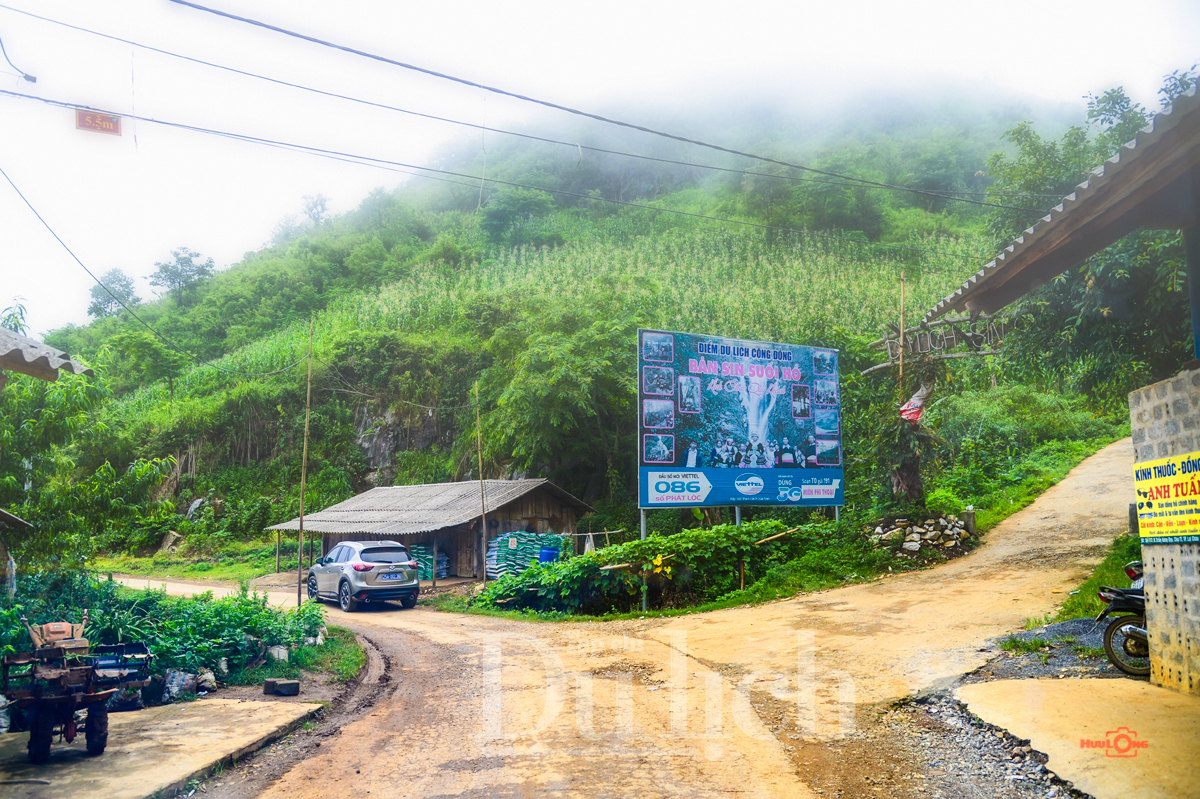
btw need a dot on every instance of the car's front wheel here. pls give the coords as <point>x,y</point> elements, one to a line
<point>312,587</point>
<point>346,602</point>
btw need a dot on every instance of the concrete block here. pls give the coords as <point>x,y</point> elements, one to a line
<point>287,687</point>
<point>278,653</point>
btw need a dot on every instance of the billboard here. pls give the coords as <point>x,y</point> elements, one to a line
<point>725,421</point>
<point>1168,491</point>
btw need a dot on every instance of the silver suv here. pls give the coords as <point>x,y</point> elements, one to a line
<point>365,571</point>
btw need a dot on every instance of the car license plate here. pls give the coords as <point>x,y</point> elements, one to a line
<point>392,576</point>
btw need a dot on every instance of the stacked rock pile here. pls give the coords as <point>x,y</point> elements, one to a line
<point>946,532</point>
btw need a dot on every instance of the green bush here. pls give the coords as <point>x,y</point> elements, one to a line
<point>681,570</point>
<point>182,632</point>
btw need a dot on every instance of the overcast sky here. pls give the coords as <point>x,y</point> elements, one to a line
<point>127,201</point>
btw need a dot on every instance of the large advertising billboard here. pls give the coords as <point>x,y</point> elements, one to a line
<point>724,421</point>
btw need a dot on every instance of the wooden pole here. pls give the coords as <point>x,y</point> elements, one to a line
<point>902,337</point>
<point>742,574</point>
<point>482,501</point>
<point>777,535</point>
<point>278,540</point>
<point>304,474</point>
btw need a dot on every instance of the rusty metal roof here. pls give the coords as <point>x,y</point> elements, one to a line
<point>1153,182</point>
<point>33,358</point>
<point>408,510</point>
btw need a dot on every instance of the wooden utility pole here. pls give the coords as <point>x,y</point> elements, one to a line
<point>304,474</point>
<point>902,341</point>
<point>482,502</point>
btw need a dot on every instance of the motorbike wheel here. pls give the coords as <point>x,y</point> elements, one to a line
<point>1128,654</point>
<point>96,728</point>
<point>41,733</point>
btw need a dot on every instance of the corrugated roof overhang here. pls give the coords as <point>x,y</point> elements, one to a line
<point>33,358</point>
<point>1153,182</point>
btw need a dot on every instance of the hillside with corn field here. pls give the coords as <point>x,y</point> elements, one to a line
<point>423,299</point>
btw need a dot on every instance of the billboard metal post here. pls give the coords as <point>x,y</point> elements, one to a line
<point>643,576</point>
<point>737,515</point>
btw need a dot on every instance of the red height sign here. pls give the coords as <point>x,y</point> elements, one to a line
<point>101,123</point>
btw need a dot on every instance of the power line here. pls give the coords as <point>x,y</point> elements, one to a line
<point>20,72</point>
<point>367,160</point>
<point>578,112</point>
<point>120,302</point>
<point>943,194</point>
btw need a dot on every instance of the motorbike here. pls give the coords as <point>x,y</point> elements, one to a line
<point>1126,641</point>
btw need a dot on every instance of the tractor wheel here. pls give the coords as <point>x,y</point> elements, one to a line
<point>41,733</point>
<point>96,728</point>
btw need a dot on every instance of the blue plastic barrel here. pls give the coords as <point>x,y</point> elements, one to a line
<point>548,555</point>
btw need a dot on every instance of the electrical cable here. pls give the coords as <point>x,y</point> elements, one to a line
<point>22,73</point>
<point>120,302</point>
<point>579,112</point>
<point>367,160</point>
<point>944,194</point>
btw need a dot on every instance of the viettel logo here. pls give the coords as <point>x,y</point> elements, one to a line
<point>1121,742</point>
<point>748,484</point>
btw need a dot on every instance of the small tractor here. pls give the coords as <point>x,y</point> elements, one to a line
<point>64,674</point>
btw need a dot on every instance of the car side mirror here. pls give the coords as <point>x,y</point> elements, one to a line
<point>319,562</point>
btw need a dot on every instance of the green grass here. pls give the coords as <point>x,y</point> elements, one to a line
<point>1046,472</point>
<point>233,562</point>
<point>1024,647</point>
<point>340,657</point>
<point>1085,603</point>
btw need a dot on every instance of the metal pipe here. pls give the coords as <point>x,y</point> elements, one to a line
<point>737,515</point>
<point>643,510</point>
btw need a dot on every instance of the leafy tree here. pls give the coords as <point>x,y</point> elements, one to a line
<point>13,317</point>
<point>120,292</point>
<point>316,209</point>
<point>511,207</point>
<point>38,422</point>
<point>564,387</point>
<point>153,359</point>
<point>182,276</point>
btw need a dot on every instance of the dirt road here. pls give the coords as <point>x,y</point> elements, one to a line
<point>893,637</point>
<point>762,701</point>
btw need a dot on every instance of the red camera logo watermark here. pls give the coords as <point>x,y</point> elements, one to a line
<point>1121,742</point>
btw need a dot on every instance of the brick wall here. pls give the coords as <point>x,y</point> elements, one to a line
<point>1165,418</point>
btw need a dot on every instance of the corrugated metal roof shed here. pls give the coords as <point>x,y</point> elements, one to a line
<point>33,358</point>
<point>1153,182</point>
<point>409,510</point>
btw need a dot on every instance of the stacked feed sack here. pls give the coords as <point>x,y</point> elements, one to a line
<point>423,555</point>
<point>513,553</point>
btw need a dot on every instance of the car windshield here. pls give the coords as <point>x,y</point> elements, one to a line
<point>384,555</point>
